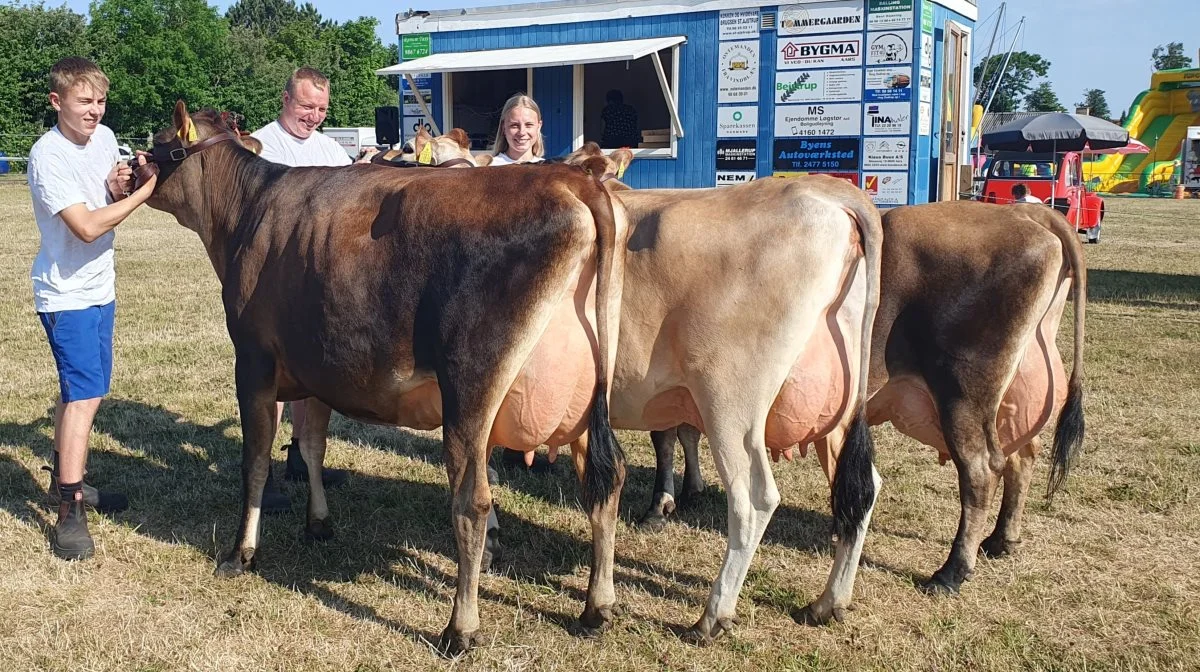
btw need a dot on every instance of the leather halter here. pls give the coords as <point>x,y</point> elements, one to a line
<point>175,152</point>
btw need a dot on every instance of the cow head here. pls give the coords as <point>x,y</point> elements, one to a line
<point>452,149</point>
<point>180,176</point>
<point>608,168</point>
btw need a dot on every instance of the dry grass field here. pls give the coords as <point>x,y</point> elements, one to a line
<point>1108,577</point>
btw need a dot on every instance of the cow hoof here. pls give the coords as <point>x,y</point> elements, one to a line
<point>700,635</point>
<point>594,622</point>
<point>939,585</point>
<point>654,521</point>
<point>318,530</point>
<point>235,564</point>
<point>454,644</point>
<point>815,616</point>
<point>690,496</point>
<point>998,548</point>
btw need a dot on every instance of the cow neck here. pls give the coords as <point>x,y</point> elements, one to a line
<point>234,179</point>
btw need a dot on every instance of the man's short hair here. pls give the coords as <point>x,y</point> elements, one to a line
<point>1019,190</point>
<point>73,70</point>
<point>311,75</point>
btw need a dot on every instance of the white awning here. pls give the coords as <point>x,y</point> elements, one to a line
<point>534,57</point>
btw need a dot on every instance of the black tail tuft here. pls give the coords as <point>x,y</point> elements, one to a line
<point>1068,438</point>
<point>853,483</point>
<point>604,455</point>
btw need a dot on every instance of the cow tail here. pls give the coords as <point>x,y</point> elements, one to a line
<point>853,492</point>
<point>604,469</point>
<point>1068,434</point>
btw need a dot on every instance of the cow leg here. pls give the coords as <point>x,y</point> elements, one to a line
<point>693,480</point>
<point>470,503</point>
<point>978,475</point>
<point>314,432</point>
<point>839,589</point>
<point>254,373</point>
<point>662,502</point>
<point>601,607</point>
<point>1018,473</point>
<point>745,469</point>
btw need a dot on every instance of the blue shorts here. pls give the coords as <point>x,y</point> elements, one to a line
<point>81,341</point>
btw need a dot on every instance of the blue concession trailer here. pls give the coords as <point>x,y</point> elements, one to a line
<point>876,91</point>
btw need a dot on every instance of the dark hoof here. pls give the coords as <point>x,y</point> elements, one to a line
<point>689,497</point>
<point>699,636</point>
<point>235,565</point>
<point>275,502</point>
<point>809,616</point>
<point>454,644</point>
<point>653,522</point>
<point>998,548</point>
<point>939,585</point>
<point>318,530</point>
<point>595,622</point>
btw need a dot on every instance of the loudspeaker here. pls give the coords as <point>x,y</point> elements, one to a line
<point>387,125</point>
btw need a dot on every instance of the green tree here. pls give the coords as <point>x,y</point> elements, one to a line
<point>1170,57</point>
<point>1012,83</point>
<point>1094,100</point>
<point>355,54</point>
<point>32,38</point>
<point>268,17</point>
<point>155,52</point>
<point>1043,99</point>
<point>252,78</point>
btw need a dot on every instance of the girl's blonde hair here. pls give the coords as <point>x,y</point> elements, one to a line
<point>519,100</point>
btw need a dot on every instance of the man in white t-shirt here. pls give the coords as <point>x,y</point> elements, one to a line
<point>80,193</point>
<point>293,140</point>
<point>1020,194</point>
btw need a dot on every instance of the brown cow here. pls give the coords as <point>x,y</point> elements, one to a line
<point>964,359</point>
<point>761,339</point>
<point>417,298</point>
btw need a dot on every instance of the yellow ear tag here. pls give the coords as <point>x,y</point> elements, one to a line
<point>426,156</point>
<point>621,171</point>
<point>191,133</point>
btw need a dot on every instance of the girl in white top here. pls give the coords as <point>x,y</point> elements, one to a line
<point>519,138</point>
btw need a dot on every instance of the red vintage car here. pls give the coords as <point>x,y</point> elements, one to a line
<point>1056,180</point>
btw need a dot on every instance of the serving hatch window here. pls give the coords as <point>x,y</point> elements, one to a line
<point>621,104</point>
<point>476,99</point>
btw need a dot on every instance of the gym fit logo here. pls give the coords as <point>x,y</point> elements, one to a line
<point>889,48</point>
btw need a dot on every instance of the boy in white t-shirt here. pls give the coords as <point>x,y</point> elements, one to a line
<point>293,140</point>
<point>80,192</point>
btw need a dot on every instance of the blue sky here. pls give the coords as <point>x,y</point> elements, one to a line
<point>1069,33</point>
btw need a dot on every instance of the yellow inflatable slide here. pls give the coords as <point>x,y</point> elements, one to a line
<point>1159,117</point>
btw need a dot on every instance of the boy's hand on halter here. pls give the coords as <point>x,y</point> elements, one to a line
<point>120,180</point>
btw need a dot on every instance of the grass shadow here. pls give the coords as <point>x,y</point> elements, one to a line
<point>173,468</point>
<point>1145,290</point>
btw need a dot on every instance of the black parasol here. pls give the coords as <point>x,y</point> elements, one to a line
<point>1056,132</point>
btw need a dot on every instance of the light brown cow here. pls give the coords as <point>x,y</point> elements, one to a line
<point>759,340</point>
<point>483,303</point>
<point>964,359</point>
<point>449,150</point>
